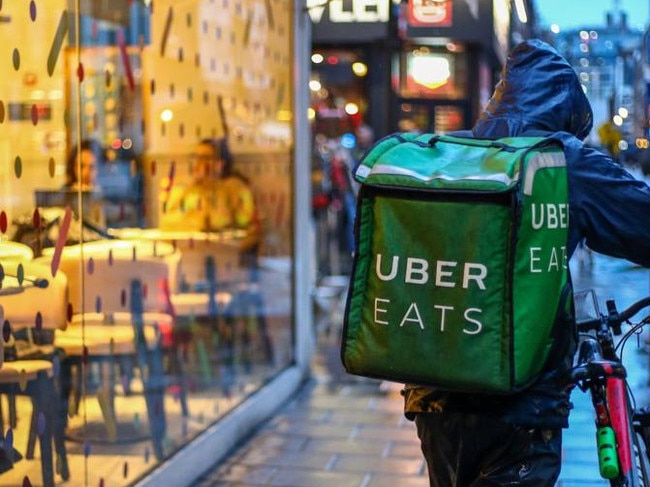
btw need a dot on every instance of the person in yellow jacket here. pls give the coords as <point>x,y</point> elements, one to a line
<point>610,136</point>
<point>217,198</point>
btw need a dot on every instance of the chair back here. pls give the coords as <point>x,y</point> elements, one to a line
<point>195,267</point>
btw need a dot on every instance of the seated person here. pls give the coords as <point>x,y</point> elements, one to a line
<point>82,166</point>
<point>81,180</point>
<point>82,175</point>
<point>217,198</point>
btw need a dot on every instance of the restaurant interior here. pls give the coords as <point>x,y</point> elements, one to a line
<point>146,257</point>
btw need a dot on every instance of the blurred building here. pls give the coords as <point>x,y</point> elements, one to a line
<point>396,65</point>
<point>420,65</point>
<point>610,61</point>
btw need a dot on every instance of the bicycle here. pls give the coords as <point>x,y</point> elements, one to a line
<point>622,429</point>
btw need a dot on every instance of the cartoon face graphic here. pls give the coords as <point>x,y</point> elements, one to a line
<point>430,12</point>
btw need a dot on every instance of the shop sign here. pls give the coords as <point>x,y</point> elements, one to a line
<point>430,12</point>
<point>460,20</point>
<point>347,12</point>
<point>349,21</point>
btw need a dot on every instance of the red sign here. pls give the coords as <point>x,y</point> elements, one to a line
<point>430,12</point>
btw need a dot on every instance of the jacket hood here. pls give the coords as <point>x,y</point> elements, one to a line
<point>538,90</point>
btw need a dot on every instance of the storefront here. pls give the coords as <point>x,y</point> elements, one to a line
<point>391,65</point>
<point>155,305</point>
<point>350,67</point>
<point>450,56</point>
<point>430,66</point>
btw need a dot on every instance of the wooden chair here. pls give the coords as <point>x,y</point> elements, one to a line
<point>119,302</point>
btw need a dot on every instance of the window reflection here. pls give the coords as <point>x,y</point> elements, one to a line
<point>145,227</point>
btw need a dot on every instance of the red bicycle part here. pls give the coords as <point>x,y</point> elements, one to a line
<point>618,413</point>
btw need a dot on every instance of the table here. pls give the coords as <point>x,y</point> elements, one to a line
<point>224,247</point>
<point>10,250</point>
<point>109,277</point>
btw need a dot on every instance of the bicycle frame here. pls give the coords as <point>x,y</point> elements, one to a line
<point>599,370</point>
<point>620,421</point>
<point>604,378</point>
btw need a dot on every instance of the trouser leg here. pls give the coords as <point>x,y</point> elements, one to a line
<point>473,451</point>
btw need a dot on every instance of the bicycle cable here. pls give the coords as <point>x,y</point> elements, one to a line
<point>620,347</point>
<point>635,330</point>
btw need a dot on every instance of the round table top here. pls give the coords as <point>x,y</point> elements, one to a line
<point>178,235</point>
<point>118,248</point>
<point>10,250</point>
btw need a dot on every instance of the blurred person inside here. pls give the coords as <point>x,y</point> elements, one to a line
<point>216,197</point>
<point>82,169</point>
<point>82,166</point>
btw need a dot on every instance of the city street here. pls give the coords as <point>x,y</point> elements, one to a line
<point>344,431</point>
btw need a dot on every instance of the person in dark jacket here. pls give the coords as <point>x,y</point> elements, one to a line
<point>479,440</point>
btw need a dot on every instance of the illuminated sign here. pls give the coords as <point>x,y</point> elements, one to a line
<point>429,75</point>
<point>430,12</point>
<point>356,11</point>
<point>432,71</point>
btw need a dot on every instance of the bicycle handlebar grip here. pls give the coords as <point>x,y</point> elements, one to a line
<point>607,458</point>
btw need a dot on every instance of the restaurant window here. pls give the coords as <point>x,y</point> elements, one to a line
<point>145,227</point>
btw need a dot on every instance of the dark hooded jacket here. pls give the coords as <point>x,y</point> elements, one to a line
<point>540,94</point>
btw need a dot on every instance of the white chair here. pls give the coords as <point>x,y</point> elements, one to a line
<point>207,271</point>
<point>118,294</point>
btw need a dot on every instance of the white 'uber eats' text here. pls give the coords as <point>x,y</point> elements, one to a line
<point>409,270</point>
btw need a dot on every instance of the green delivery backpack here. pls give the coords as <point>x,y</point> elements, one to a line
<point>460,267</point>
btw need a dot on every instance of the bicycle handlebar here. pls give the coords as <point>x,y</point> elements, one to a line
<point>615,319</point>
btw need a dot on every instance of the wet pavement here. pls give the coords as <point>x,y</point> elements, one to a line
<point>342,431</point>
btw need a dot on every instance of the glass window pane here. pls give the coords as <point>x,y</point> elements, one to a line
<point>145,224</point>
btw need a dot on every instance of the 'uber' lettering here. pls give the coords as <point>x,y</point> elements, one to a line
<point>550,215</point>
<point>447,273</point>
